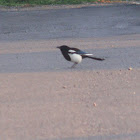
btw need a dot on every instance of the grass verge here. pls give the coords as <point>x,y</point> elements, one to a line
<point>42,2</point>
<point>51,2</point>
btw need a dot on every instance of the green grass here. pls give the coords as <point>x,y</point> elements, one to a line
<point>45,2</point>
<point>41,2</point>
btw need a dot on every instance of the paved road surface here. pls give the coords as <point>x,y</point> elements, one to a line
<point>65,24</point>
<point>86,22</point>
<point>42,99</point>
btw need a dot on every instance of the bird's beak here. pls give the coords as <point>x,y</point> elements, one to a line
<point>58,47</point>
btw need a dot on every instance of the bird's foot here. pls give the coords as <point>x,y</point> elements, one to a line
<point>73,66</point>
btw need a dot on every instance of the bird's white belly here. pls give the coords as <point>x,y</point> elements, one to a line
<point>76,58</point>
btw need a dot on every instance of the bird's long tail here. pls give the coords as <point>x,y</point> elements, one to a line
<point>96,58</point>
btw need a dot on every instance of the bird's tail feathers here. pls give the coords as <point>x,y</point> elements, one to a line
<point>96,58</point>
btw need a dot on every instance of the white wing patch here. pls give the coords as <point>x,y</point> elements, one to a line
<point>71,51</point>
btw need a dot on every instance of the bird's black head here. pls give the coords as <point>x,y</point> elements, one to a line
<point>64,50</point>
<point>63,47</point>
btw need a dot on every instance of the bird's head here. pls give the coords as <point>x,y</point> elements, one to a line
<point>63,47</point>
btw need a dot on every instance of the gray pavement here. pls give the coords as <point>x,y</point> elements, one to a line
<point>86,22</point>
<point>97,21</point>
<point>42,61</point>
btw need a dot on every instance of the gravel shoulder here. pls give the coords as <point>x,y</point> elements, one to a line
<point>93,101</point>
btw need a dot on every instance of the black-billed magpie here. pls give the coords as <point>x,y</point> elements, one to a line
<point>75,55</point>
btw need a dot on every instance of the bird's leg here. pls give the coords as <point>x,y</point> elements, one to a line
<point>73,66</point>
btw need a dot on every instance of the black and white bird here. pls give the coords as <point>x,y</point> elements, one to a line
<point>75,55</point>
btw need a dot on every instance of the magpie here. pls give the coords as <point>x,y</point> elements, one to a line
<point>75,55</point>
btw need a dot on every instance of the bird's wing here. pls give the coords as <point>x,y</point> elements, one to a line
<point>83,53</point>
<point>77,51</point>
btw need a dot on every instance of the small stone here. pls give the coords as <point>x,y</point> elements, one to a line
<point>130,68</point>
<point>94,104</point>
<point>64,87</point>
<point>134,92</point>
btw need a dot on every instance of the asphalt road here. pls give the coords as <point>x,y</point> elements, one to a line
<point>86,22</point>
<point>66,24</point>
<point>41,98</point>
